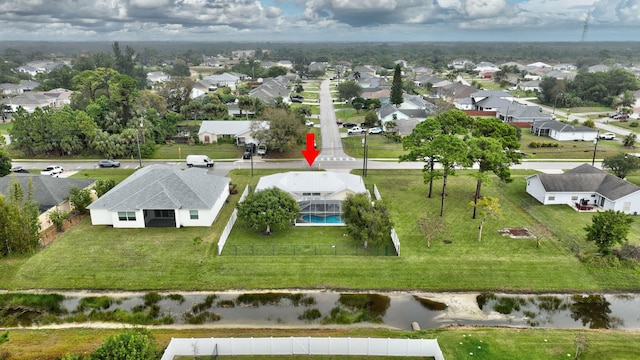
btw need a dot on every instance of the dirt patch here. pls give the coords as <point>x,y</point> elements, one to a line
<point>516,233</point>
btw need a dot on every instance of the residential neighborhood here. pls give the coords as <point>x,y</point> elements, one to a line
<point>349,192</point>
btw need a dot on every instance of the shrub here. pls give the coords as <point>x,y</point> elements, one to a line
<point>58,217</point>
<point>634,124</point>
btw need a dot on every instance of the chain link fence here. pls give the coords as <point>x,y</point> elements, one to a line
<point>529,205</point>
<point>307,250</point>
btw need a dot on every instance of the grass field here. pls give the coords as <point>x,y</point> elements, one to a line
<point>455,343</point>
<point>568,149</point>
<point>214,151</point>
<point>102,257</point>
<point>379,147</point>
<point>626,125</point>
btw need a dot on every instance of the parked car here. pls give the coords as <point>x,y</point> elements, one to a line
<point>621,117</point>
<point>52,170</point>
<point>338,121</point>
<point>356,130</point>
<point>611,115</point>
<point>262,149</point>
<point>296,100</point>
<point>309,123</point>
<point>109,163</point>
<point>607,136</point>
<point>18,169</point>
<point>247,154</point>
<point>375,130</point>
<point>349,124</point>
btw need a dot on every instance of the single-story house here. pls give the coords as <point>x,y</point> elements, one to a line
<point>49,192</point>
<point>211,131</point>
<point>319,193</point>
<point>587,186</point>
<point>562,131</point>
<point>162,196</point>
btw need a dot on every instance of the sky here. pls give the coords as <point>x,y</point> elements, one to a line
<point>320,20</point>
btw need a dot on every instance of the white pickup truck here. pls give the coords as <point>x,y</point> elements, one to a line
<point>52,170</point>
<point>356,130</point>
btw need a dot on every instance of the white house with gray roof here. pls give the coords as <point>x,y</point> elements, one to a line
<point>319,193</point>
<point>162,196</point>
<point>588,186</point>
<point>560,131</point>
<point>212,131</point>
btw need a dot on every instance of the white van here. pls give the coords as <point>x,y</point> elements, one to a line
<point>199,160</point>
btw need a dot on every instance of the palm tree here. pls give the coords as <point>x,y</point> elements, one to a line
<point>245,102</point>
<point>356,76</point>
<point>630,140</point>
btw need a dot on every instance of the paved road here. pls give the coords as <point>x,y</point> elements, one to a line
<point>331,150</point>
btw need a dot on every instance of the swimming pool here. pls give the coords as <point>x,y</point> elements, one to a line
<point>323,219</point>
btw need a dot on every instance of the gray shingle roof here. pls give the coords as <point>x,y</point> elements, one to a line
<point>163,187</point>
<point>48,191</point>
<point>586,178</point>
<point>561,127</point>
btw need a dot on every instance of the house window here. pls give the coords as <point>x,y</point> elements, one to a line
<point>193,214</point>
<point>126,215</point>
<point>551,198</point>
<point>626,206</point>
<point>574,198</point>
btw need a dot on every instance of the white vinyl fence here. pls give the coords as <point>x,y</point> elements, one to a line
<point>302,346</point>
<point>231,222</point>
<point>394,236</point>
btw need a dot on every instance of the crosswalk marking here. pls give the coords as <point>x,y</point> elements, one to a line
<point>333,158</point>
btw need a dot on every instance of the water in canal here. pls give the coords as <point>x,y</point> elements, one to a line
<point>397,310</point>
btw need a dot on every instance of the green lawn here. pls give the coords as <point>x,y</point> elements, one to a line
<point>631,125</point>
<point>568,149</point>
<point>101,257</point>
<point>455,343</point>
<point>4,128</point>
<point>379,147</point>
<point>214,151</point>
<point>104,174</point>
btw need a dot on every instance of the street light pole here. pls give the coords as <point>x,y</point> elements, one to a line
<point>138,142</point>
<point>556,102</point>
<point>595,148</point>
<point>364,159</point>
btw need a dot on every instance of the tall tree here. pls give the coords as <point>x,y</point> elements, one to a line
<point>417,143</point>
<point>348,90</point>
<point>5,163</point>
<point>285,130</point>
<point>268,208</point>
<point>366,222</point>
<point>451,152</point>
<point>396,86</point>
<point>608,228</point>
<point>621,164</point>
<point>245,102</point>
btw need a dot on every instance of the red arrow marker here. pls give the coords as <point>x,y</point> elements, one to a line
<point>310,153</point>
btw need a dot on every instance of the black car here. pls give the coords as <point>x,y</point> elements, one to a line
<point>247,154</point>
<point>349,124</point>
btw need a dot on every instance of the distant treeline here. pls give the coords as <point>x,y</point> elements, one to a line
<point>432,54</point>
